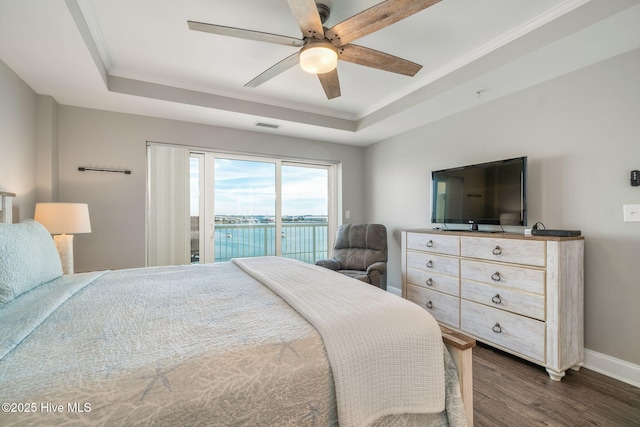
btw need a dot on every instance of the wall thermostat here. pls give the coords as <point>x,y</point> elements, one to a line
<point>635,178</point>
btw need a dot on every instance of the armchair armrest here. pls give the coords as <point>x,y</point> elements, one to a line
<point>380,267</point>
<point>331,264</point>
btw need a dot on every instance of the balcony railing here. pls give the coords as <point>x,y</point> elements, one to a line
<point>304,241</point>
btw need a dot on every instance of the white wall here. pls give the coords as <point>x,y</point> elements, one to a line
<point>117,202</point>
<point>581,133</point>
<point>18,118</point>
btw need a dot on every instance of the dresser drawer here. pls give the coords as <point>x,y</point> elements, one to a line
<point>434,281</point>
<point>526,304</point>
<point>448,245</point>
<point>444,308</point>
<point>511,331</point>
<point>517,251</point>
<point>435,263</point>
<point>506,276</point>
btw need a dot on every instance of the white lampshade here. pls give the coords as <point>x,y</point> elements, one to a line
<point>318,57</point>
<point>63,218</point>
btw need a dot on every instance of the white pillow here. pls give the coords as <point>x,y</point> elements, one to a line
<point>28,258</point>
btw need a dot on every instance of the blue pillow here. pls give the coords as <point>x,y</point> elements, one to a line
<point>28,258</point>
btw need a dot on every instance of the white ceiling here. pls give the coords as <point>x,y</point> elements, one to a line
<point>139,57</point>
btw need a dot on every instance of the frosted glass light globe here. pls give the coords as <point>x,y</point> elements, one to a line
<point>318,58</point>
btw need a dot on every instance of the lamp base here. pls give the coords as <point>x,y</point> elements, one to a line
<point>64,244</point>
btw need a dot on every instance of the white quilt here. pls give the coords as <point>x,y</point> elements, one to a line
<point>388,361</point>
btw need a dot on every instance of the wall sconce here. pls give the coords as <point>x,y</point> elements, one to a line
<point>63,220</point>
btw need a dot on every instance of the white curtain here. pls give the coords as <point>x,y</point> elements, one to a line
<point>168,223</point>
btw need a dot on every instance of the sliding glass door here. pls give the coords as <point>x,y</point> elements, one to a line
<point>253,206</point>
<point>305,212</point>
<point>244,200</point>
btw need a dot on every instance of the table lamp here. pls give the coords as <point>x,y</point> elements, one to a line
<point>63,220</point>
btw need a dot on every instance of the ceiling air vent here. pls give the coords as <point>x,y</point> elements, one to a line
<point>267,125</point>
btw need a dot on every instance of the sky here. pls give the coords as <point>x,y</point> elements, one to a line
<point>245,187</point>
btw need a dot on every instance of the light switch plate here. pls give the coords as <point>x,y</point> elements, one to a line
<point>631,213</point>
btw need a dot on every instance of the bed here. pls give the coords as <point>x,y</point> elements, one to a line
<point>260,341</point>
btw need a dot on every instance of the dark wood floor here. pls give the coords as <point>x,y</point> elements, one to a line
<point>511,392</point>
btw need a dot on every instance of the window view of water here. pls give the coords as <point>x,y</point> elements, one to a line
<point>244,200</point>
<point>305,240</point>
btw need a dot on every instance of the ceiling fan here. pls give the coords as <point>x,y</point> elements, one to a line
<point>322,47</point>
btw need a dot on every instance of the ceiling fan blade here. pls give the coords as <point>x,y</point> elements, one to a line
<point>280,67</point>
<point>380,60</point>
<point>330,83</point>
<point>245,34</point>
<point>375,18</point>
<point>308,18</point>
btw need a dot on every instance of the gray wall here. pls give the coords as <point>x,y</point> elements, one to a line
<point>18,133</point>
<point>117,202</point>
<point>581,133</point>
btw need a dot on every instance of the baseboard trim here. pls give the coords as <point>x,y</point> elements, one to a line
<point>618,369</point>
<point>607,365</point>
<point>394,290</point>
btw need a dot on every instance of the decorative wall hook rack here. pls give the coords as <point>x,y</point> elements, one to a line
<point>124,171</point>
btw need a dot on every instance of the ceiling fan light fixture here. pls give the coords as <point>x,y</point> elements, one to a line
<point>318,57</point>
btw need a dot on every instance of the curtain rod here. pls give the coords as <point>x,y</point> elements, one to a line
<point>124,171</point>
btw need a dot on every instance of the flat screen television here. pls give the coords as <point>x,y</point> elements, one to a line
<point>488,193</point>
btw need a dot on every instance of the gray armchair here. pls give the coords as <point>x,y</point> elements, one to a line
<point>360,252</point>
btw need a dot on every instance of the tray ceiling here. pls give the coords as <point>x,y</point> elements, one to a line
<point>140,57</point>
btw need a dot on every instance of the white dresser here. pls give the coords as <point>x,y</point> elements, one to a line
<point>523,295</point>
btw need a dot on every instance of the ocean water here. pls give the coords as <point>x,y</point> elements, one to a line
<point>303,241</point>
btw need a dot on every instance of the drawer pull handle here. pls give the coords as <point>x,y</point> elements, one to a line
<point>497,328</point>
<point>430,264</point>
<point>430,244</point>
<point>497,250</point>
<point>496,299</point>
<point>496,277</point>
<point>429,304</point>
<point>429,281</point>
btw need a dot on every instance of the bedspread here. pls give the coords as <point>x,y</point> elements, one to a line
<point>169,344</point>
<point>190,345</point>
<point>378,344</point>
